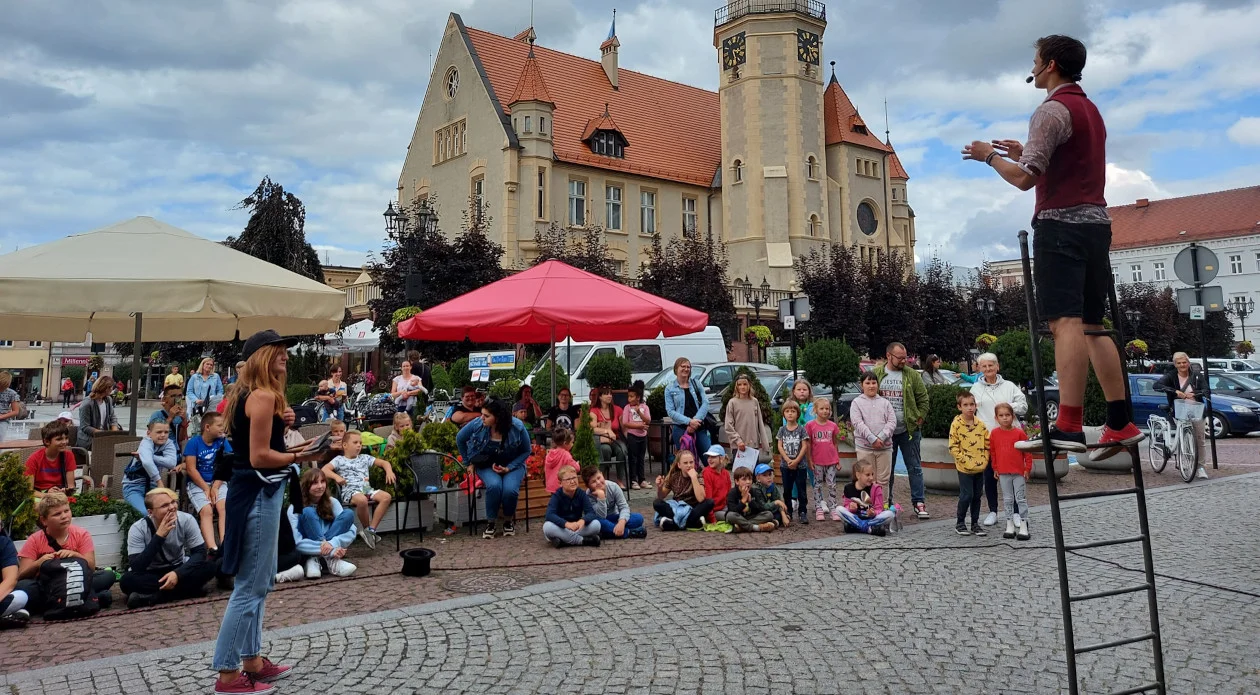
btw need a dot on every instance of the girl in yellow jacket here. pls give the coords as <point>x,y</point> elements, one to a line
<point>969,444</point>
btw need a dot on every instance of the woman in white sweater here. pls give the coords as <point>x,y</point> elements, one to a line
<point>989,390</point>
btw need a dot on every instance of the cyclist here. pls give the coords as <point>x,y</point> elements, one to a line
<point>1184,385</point>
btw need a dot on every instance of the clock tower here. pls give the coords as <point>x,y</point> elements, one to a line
<point>774,178</point>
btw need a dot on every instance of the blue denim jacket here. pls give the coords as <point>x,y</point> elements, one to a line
<point>474,437</point>
<point>675,400</point>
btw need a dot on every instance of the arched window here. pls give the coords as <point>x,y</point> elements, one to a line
<point>738,166</point>
<point>811,167</point>
<point>813,226</point>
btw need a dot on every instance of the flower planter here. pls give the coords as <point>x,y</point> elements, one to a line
<point>1119,463</point>
<point>1039,467</point>
<point>939,472</point>
<point>106,536</point>
<point>421,512</point>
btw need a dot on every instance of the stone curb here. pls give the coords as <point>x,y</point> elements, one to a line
<point>432,607</point>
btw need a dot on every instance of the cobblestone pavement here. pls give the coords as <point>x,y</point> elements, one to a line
<point>923,611</point>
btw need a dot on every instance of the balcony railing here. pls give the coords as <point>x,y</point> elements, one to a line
<point>742,8</point>
<point>362,293</point>
<point>769,309</point>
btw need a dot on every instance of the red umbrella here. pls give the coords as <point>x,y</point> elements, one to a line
<point>549,302</point>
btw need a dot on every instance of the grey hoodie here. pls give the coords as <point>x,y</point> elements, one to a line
<point>614,501</point>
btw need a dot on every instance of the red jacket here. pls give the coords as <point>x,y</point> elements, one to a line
<point>716,486</point>
<point>1077,171</point>
<point>1007,460</point>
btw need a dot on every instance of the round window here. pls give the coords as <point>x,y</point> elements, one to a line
<point>452,83</point>
<point>867,222</point>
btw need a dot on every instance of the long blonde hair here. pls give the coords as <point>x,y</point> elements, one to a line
<point>674,471</point>
<point>257,375</point>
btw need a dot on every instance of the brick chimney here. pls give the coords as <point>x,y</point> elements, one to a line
<point>1143,202</point>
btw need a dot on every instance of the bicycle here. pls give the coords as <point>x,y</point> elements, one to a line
<point>1165,443</point>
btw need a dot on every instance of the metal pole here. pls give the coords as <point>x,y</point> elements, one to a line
<point>135,375</point>
<point>1207,377</point>
<point>553,365</point>
<point>792,310</point>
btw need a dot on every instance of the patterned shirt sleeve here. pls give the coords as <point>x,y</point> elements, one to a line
<point>1050,127</point>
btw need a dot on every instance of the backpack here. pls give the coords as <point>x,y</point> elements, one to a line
<point>66,584</point>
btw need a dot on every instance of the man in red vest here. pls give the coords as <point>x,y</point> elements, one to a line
<point>1065,160</point>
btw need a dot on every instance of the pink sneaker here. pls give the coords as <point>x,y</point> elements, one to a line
<point>820,515</point>
<point>835,514</point>
<point>244,683</point>
<point>1117,440</point>
<point>271,672</point>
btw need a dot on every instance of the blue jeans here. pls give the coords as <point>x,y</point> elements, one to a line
<point>502,491</point>
<point>240,636</point>
<point>133,492</point>
<point>702,442</point>
<point>606,525</point>
<point>908,445</point>
<point>311,526</point>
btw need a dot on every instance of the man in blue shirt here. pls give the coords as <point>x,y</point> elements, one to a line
<point>172,413</point>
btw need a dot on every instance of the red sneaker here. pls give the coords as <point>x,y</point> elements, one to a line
<point>1117,439</point>
<point>270,672</point>
<point>244,683</point>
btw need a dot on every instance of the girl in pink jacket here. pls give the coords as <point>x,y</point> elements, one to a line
<point>874,423</point>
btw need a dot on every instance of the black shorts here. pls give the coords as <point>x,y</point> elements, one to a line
<point>1072,270</point>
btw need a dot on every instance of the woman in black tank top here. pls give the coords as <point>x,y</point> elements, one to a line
<point>255,494</point>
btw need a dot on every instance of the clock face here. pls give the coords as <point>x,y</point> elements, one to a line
<point>734,52</point>
<point>807,48</point>
<point>866,219</point>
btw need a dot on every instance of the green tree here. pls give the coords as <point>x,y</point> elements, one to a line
<point>608,370</point>
<point>276,231</point>
<point>442,380</point>
<point>460,375</point>
<point>1014,355</point>
<point>584,249</point>
<point>940,305</point>
<point>542,384</point>
<point>893,301</point>
<point>585,451</point>
<point>838,291</point>
<point>758,392</point>
<point>830,362</point>
<point>692,271</point>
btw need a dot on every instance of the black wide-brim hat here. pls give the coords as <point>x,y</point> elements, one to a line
<point>263,339</point>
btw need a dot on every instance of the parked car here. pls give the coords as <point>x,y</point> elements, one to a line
<point>1051,390</point>
<point>1235,384</point>
<point>1228,364</point>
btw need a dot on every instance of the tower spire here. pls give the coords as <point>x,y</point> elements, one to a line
<point>612,30</point>
<point>887,132</point>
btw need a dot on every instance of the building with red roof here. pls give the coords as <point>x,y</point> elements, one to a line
<point>777,162</point>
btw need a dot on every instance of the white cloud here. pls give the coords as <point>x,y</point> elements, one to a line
<point>1246,131</point>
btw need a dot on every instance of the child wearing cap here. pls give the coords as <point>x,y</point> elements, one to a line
<point>717,481</point>
<point>770,496</point>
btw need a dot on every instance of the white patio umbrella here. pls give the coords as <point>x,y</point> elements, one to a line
<point>357,337</point>
<point>144,280</point>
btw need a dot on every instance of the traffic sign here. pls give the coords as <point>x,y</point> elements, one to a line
<point>1197,312</point>
<point>1213,299</point>
<point>1185,262</point>
<point>797,307</point>
<point>789,323</point>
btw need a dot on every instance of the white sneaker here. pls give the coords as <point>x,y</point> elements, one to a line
<point>1202,473</point>
<point>312,568</point>
<point>341,568</point>
<point>991,519</point>
<point>292,574</point>
<point>368,537</point>
<point>1010,530</point>
<point>1023,534</point>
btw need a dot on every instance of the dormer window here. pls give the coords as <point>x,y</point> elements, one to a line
<point>608,143</point>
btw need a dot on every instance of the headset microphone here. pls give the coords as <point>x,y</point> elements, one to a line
<point>1035,75</point>
<point>1030,79</point>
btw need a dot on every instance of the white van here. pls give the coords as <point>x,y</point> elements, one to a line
<point>647,357</point>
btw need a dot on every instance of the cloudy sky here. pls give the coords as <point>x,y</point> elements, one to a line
<point>116,108</point>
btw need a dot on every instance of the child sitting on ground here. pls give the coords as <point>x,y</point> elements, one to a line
<point>862,504</point>
<point>402,425</point>
<point>717,481</point>
<point>743,511</point>
<point>611,507</point>
<point>571,519</point>
<point>1012,468</point>
<point>322,531</point>
<point>558,456</point>
<point>51,469</point>
<point>769,495</point>
<point>969,444</point>
<point>351,471</point>
<point>206,494</point>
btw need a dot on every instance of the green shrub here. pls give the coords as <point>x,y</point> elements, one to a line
<point>460,376</point>
<point>782,361</point>
<point>1015,357</point>
<point>608,370</point>
<point>397,456</point>
<point>440,436</point>
<point>505,389</point>
<point>524,367</point>
<point>942,407</point>
<point>759,392</point>
<point>17,508</point>
<point>585,451</point>
<point>830,362</point>
<point>296,393</point>
<point>442,380</point>
<point>542,384</point>
<point>656,403</point>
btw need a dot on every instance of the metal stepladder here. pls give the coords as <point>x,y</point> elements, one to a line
<point>1138,490</point>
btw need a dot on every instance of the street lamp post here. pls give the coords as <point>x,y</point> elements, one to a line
<point>1242,308</point>
<point>397,225</point>
<point>757,297</point>
<point>986,308</point>
<point>1134,319</point>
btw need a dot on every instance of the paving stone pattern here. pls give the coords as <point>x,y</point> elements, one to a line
<point>924,611</point>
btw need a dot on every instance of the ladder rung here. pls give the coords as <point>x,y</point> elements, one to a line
<point>1109,592</point>
<point>1099,544</point>
<point>1099,493</point>
<point>1109,332</point>
<point>1116,643</point>
<point>1139,689</point>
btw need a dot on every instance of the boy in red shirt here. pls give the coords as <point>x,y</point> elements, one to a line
<point>1012,467</point>
<point>52,468</point>
<point>717,481</point>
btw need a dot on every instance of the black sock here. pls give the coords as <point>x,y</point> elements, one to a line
<point>1117,414</point>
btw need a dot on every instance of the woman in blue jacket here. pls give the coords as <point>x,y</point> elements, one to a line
<point>497,445</point>
<point>687,406</point>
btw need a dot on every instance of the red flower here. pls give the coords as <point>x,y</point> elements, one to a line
<point>104,498</point>
<point>72,500</point>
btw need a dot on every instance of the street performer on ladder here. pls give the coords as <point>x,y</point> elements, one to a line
<point>1065,160</point>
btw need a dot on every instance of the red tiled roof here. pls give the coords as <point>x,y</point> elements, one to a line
<point>1206,216</point>
<point>675,129</point>
<point>531,87</point>
<point>603,122</point>
<point>840,116</point>
<point>895,170</point>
